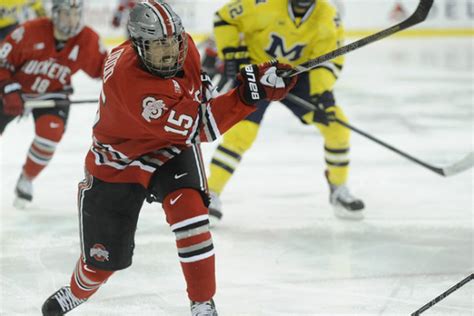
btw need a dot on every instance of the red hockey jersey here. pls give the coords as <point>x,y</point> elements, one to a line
<point>28,55</point>
<point>144,120</point>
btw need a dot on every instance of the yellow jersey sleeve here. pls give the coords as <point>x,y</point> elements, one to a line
<point>230,22</point>
<point>270,30</point>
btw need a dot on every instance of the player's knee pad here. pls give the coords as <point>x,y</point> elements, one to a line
<point>182,205</point>
<point>49,131</point>
<point>87,279</point>
<point>189,220</point>
<point>322,80</point>
<point>335,135</point>
<point>241,137</point>
<point>49,127</point>
<point>183,171</point>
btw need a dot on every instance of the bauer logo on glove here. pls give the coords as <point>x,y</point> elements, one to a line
<point>258,82</point>
<point>255,93</point>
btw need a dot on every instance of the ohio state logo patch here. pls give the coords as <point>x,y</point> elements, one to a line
<point>99,253</point>
<point>152,108</point>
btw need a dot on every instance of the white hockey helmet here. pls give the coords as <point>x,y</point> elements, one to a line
<point>67,17</point>
<point>158,36</point>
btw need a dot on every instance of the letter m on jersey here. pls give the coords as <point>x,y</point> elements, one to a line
<point>277,49</point>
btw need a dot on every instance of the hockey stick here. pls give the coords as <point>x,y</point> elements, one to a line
<point>457,167</point>
<point>41,104</point>
<point>418,16</point>
<point>443,296</point>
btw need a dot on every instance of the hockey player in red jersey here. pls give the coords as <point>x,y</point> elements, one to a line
<point>156,107</point>
<point>37,60</point>
<point>121,13</point>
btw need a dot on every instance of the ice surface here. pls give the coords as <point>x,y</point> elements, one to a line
<point>280,250</point>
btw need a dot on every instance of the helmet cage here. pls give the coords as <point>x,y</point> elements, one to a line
<point>61,10</point>
<point>173,51</point>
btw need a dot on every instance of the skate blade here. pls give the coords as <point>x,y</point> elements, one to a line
<point>345,214</point>
<point>20,203</point>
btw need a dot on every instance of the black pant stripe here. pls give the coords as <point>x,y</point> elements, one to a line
<point>222,165</point>
<point>337,151</point>
<point>229,152</point>
<point>337,164</point>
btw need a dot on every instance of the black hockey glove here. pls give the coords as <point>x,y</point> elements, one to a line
<point>234,59</point>
<point>326,109</point>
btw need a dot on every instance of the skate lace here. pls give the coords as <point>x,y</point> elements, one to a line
<point>342,193</point>
<point>203,309</point>
<point>24,185</point>
<point>216,203</point>
<point>67,300</point>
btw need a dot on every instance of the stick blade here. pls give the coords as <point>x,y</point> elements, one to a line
<point>460,166</point>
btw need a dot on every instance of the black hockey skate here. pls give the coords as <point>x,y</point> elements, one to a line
<point>215,209</point>
<point>345,205</point>
<point>203,309</point>
<point>61,302</point>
